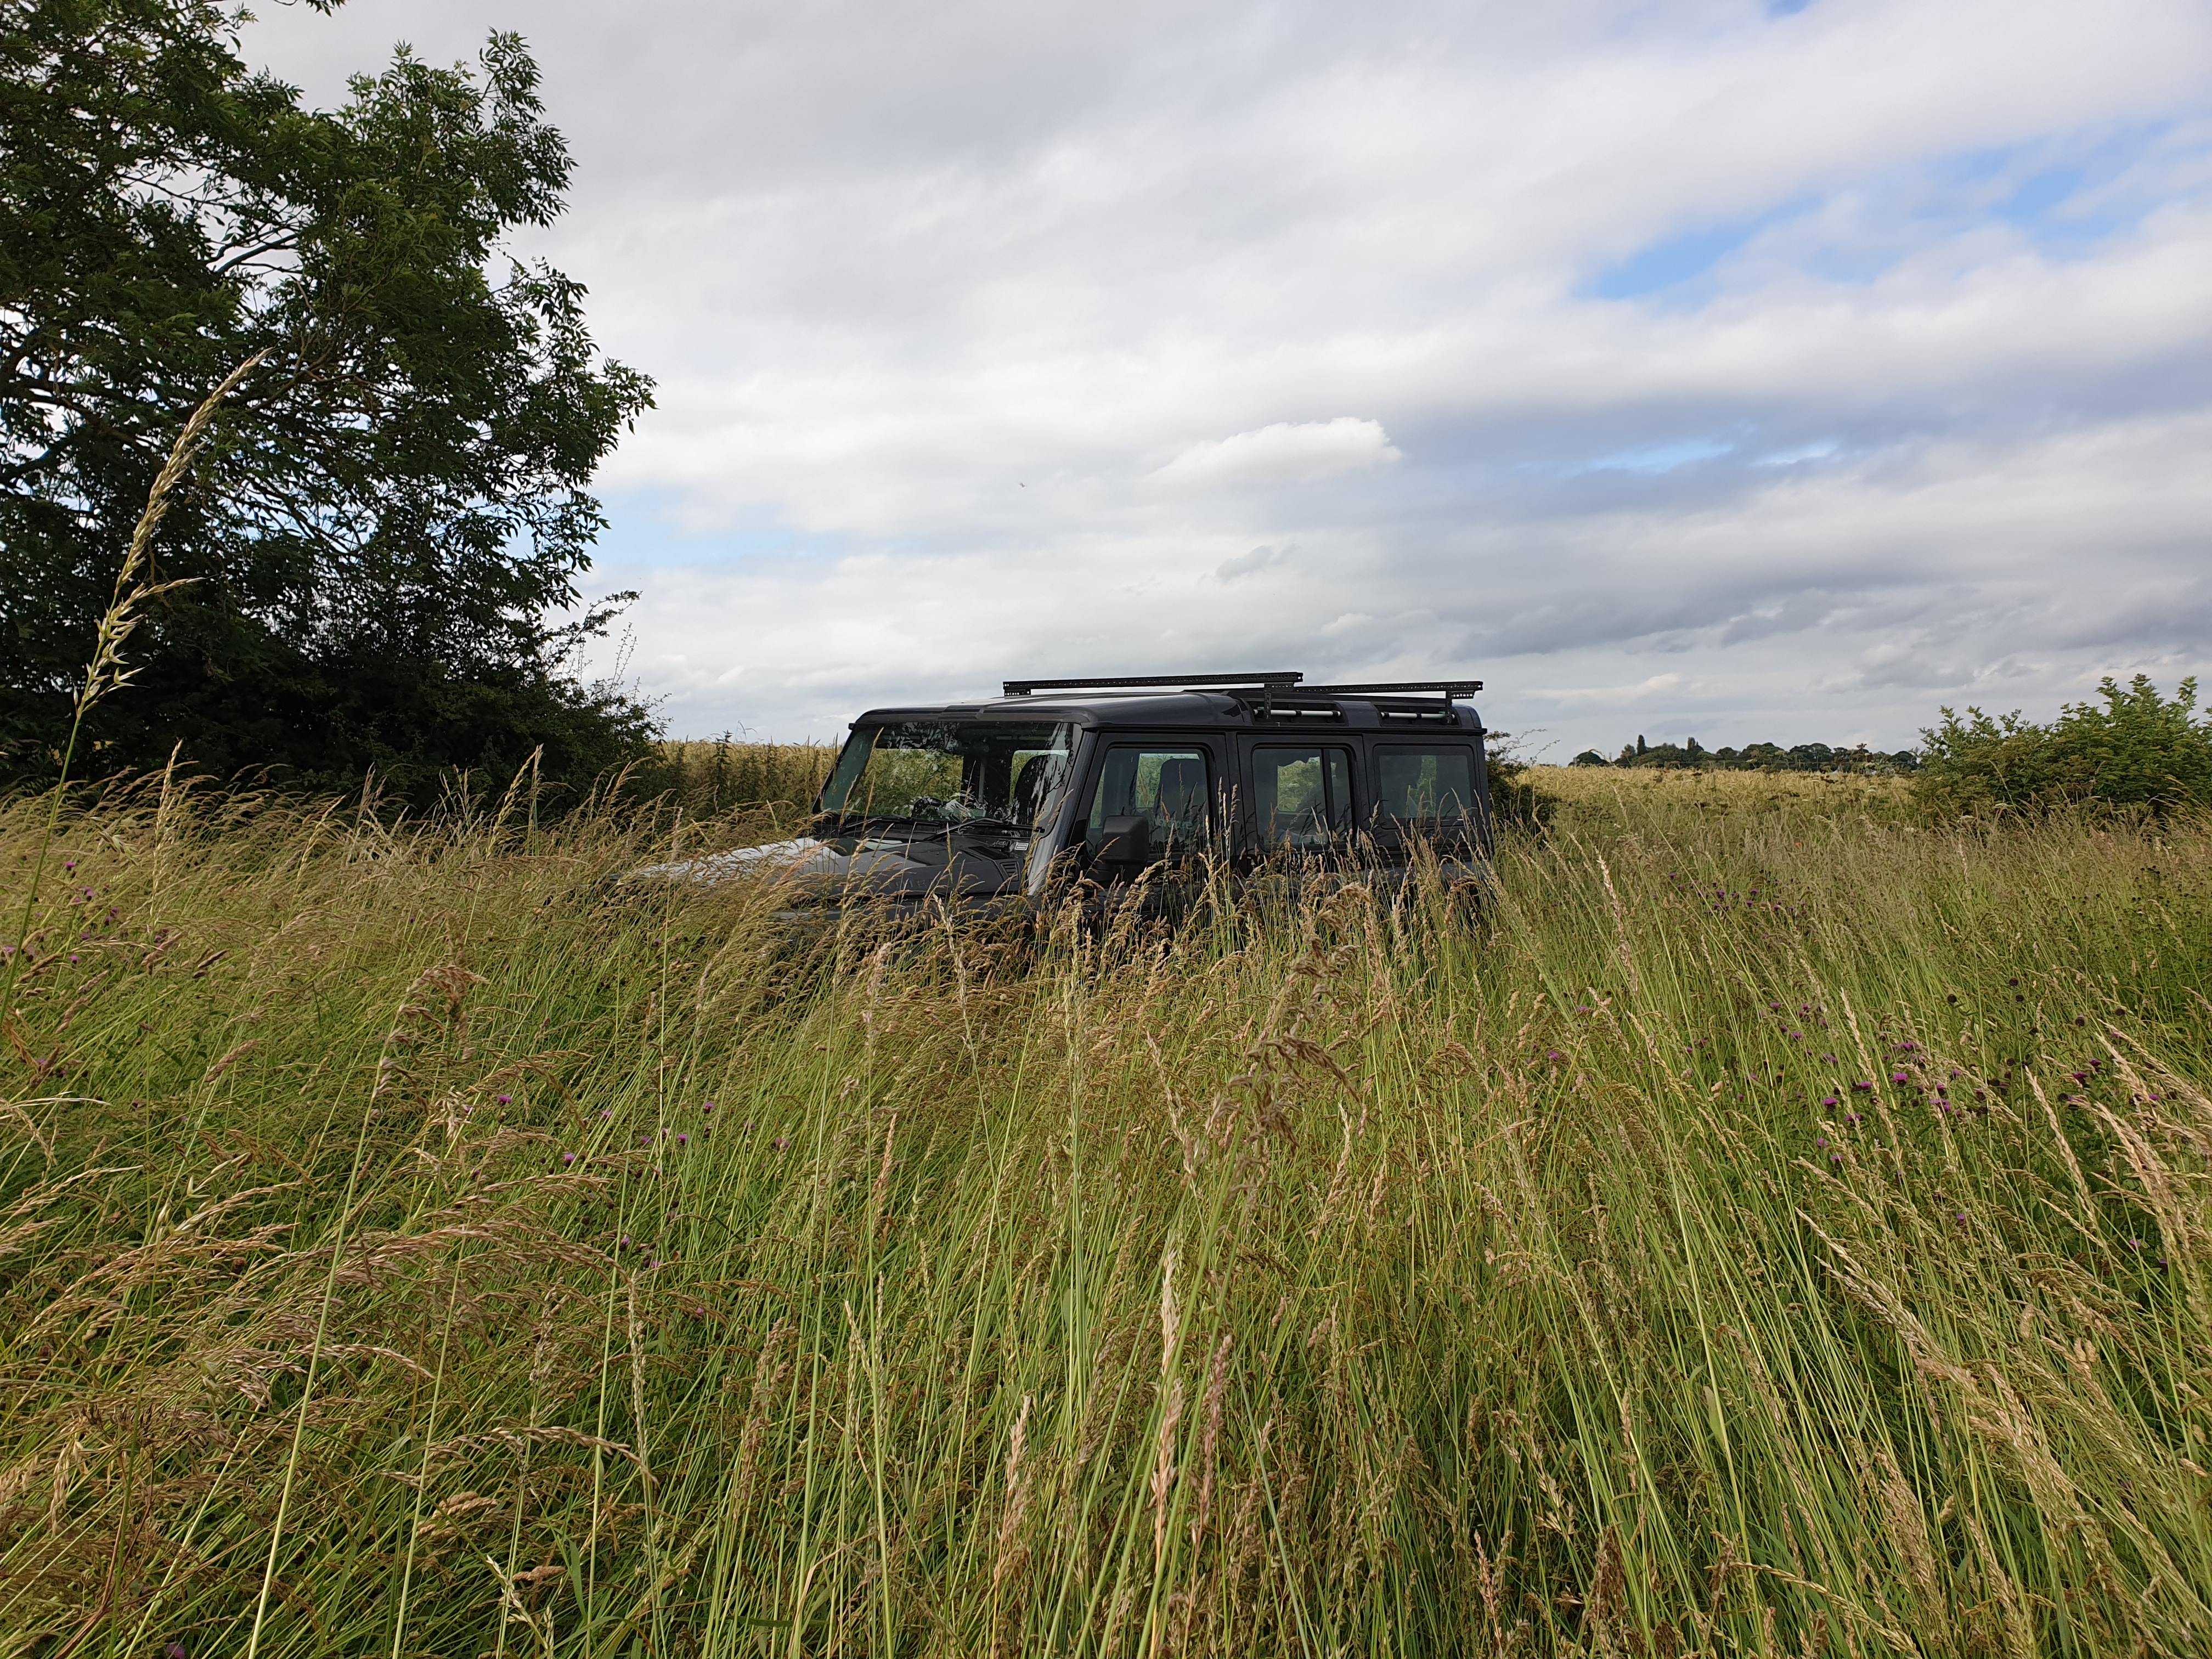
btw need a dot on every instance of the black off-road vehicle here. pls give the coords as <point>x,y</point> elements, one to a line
<point>1012,800</point>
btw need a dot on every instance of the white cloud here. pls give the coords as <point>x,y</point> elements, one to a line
<point>946,304</point>
<point>1284,453</point>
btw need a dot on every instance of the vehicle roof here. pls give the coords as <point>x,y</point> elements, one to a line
<point>1206,710</point>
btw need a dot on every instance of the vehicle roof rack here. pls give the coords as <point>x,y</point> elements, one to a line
<point>1275,680</point>
<point>1268,684</point>
<point>1449,688</point>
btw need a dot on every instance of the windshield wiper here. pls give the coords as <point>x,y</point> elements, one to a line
<point>848,826</point>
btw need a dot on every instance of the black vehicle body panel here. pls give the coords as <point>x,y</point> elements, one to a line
<point>1364,769</point>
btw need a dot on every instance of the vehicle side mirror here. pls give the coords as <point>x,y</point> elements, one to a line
<point>1128,839</point>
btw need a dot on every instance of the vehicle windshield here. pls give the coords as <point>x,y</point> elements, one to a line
<point>993,773</point>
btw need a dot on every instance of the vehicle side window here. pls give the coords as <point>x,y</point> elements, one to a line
<point>1301,796</point>
<point>1172,788</point>
<point>1427,785</point>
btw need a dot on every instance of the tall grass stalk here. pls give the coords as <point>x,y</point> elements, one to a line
<point>1353,1275</point>
<point>105,672</point>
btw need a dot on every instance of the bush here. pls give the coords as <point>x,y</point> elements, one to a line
<point>2138,750</point>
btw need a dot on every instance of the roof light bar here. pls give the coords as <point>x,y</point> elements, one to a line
<point>1449,688</point>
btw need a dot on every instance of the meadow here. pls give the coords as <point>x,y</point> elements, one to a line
<point>1772,1224</point>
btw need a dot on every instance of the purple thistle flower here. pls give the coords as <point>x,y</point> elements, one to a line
<point>1898,1076</point>
<point>1862,1088</point>
<point>781,1142</point>
<point>174,1650</point>
<point>504,1100</point>
<point>567,1157</point>
<point>709,1107</point>
<point>682,1140</point>
<point>1828,1100</point>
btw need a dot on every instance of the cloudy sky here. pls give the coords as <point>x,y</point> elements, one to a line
<point>1689,368</point>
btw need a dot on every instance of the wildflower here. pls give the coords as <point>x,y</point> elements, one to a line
<point>1829,1100</point>
<point>504,1100</point>
<point>174,1650</point>
<point>625,1242</point>
<point>1862,1088</point>
<point>682,1140</point>
<point>1552,1054</point>
<point>71,865</point>
<point>2078,1077</point>
<point>782,1141</point>
<point>1796,1035</point>
<point>2134,1244</point>
<point>1898,1076</point>
<point>1821,1141</point>
<point>567,1157</point>
<point>709,1107</point>
<point>1828,1059</point>
<point>73,955</point>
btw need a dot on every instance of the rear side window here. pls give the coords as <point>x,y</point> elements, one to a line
<point>1426,783</point>
<point>1173,787</point>
<point>1301,796</point>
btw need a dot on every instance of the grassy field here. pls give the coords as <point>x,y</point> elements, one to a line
<point>1774,1226</point>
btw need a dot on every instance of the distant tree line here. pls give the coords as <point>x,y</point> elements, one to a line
<point>2131,748</point>
<point>1691,756</point>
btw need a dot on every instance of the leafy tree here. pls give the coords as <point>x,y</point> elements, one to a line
<point>2138,748</point>
<point>392,508</point>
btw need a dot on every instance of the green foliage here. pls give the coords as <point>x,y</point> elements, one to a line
<point>393,506</point>
<point>2136,749</point>
<point>1757,757</point>
<point>1339,1282</point>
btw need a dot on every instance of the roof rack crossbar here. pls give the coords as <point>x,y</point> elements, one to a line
<point>1278,679</point>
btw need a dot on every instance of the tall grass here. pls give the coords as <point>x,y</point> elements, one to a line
<point>775,782</point>
<point>1769,1227</point>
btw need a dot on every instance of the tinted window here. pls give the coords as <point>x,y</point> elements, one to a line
<point>1301,797</point>
<point>1427,785</point>
<point>1171,786</point>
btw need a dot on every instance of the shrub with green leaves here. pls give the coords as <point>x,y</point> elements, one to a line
<point>2137,749</point>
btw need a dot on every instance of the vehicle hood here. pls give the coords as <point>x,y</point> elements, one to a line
<point>845,866</point>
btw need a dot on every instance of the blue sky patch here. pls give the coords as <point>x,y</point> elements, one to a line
<point>1668,264</point>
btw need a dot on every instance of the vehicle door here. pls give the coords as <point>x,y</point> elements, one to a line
<point>1297,807</point>
<point>1153,813</point>
<point>1427,791</point>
